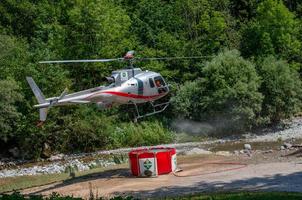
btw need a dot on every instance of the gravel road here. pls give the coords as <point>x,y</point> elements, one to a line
<point>273,176</point>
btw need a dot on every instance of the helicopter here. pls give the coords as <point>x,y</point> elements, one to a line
<point>126,86</point>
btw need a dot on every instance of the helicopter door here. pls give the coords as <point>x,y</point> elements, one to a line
<point>151,83</point>
<point>160,84</point>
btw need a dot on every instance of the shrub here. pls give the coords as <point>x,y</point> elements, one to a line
<point>140,134</point>
<point>281,88</point>
<point>9,115</point>
<point>227,96</point>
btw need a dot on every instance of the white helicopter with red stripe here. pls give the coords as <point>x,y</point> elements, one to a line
<point>127,86</point>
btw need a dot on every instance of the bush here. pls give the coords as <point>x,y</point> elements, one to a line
<point>227,96</point>
<point>281,88</point>
<point>9,115</point>
<point>140,134</point>
<point>87,129</point>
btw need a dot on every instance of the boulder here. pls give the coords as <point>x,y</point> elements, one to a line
<point>287,145</point>
<point>247,147</point>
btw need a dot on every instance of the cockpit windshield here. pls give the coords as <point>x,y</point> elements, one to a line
<point>159,81</point>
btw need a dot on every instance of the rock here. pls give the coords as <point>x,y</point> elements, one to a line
<point>247,147</point>
<point>246,151</point>
<point>223,153</point>
<point>46,152</point>
<point>56,157</point>
<point>241,152</point>
<point>268,151</point>
<point>221,141</point>
<point>197,151</point>
<point>79,166</point>
<point>282,148</point>
<point>287,145</point>
<point>15,152</point>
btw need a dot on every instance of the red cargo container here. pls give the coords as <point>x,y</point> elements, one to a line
<point>152,161</point>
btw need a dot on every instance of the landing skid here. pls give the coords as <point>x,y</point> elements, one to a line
<point>158,108</point>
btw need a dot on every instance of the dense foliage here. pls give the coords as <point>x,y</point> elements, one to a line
<point>227,96</point>
<point>250,77</point>
<point>281,87</point>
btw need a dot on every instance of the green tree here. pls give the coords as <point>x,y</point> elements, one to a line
<point>243,10</point>
<point>226,96</point>
<point>274,31</point>
<point>14,56</point>
<point>95,29</point>
<point>17,17</point>
<point>281,88</point>
<point>204,26</point>
<point>9,115</point>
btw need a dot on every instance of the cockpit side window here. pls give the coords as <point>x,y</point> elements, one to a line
<point>151,83</point>
<point>159,81</point>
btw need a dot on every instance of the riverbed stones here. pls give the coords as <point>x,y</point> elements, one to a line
<point>287,145</point>
<point>197,151</point>
<point>247,147</point>
<point>223,153</point>
<point>56,157</point>
<point>55,167</point>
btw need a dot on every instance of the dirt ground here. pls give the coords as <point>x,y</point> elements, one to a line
<point>262,172</point>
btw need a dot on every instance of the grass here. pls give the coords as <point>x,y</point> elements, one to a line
<point>217,196</point>
<point>244,196</point>
<point>22,182</point>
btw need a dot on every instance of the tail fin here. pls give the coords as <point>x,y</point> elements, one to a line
<point>39,96</point>
<point>36,90</point>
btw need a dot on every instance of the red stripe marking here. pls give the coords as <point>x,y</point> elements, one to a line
<point>135,96</point>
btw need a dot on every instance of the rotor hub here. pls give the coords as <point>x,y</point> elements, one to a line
<point>129,55</point>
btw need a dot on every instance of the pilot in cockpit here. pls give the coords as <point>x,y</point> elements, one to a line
<point>158,83</point>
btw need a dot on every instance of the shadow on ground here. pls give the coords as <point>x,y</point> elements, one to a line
<point>109,174</point>
<point>289,183</point>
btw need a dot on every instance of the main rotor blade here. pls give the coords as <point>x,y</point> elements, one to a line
<point>79,61</point>
<point>174,58</point>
